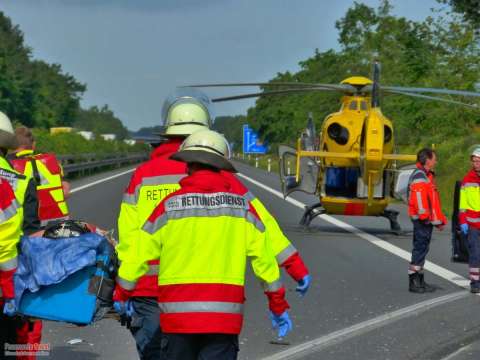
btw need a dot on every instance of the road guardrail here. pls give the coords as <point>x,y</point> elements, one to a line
<point>86,162</point>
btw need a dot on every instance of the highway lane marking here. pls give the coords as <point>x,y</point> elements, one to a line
<point>101,181</point>
<point>336,337</point>
<point>395,250</point>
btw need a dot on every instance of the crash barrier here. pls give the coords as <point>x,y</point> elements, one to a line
<point>76,286</point>
<point>73,164</point>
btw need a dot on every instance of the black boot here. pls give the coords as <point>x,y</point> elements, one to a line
<point>428,288</point>
<point>475,287</point>
<point>414,283</point>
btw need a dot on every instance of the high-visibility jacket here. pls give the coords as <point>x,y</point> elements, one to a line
<point>47,173</point>
<point>469,208</point>
<point>10,232</point>
<point>286,254</point>
<point>424,200</point>
<point>150,184</point>
<point>203,234</point>
<point>25,193</point>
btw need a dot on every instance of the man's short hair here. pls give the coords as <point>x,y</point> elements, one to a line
<point>425,154</point>
<point>24,137</point>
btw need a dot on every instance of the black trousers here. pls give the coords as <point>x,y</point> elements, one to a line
<point>8,333</point>
<point>199,347</point>
<point>145,327</point>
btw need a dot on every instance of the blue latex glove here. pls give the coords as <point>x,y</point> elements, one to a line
<point>124,308</point>
<point>9,308</point>
<point>282,322</point>
<point>464,228</point>
<point>303,285</point>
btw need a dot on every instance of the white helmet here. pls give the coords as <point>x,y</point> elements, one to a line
<point>475,151</point>
<point>8,139</point>
<point>186,111</point>
<point>206,147</point>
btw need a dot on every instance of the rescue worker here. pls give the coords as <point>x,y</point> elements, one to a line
<point>202,235</point>
<point>184,112</point>
<point>10,231</point>
<point>47,173</point>
<point>469,218</point>
<point>23,185</point>
<point>51,191</point>
<point>425,211</point>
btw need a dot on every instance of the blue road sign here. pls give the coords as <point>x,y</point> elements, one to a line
<point>251,143</point>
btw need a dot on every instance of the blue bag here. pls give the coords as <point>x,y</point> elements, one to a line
<point>74,285</point>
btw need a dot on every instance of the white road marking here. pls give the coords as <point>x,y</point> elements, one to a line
<point>458,352</point>
<point>309,347</point>
<point>101,181</point>
<point>446,274</point>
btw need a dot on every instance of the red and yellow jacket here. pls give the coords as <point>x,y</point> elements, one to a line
<point>48,174</point>
<point>424,200</point>
<point>10,232</point>
<point>150,184</point>
<point>202,236</point>
<point>469,208</point>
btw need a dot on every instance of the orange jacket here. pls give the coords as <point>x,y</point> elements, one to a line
<point>423,199</point>
<point>48,174</point>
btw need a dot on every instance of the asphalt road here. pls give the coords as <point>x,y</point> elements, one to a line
<point>357,308</point>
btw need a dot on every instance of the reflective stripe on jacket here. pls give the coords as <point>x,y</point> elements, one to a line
<point>424,200</point>
<point>48,175</point>
<point>286,254</point>
<point>24,189</point>
<point>203,234</point>
<point>10,232</point>
<point>150,184</point>
<point>469,208</point>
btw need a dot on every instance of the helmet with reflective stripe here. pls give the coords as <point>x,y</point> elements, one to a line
<point>475,151</point>
<point>206,147</point>
<point>8,139</point>
<point>185,112</point>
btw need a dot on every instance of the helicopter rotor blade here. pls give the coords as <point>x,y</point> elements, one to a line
<point>338,87</point>
<point>434,98</point>
<point>431,90</point>
<point>269,93</point>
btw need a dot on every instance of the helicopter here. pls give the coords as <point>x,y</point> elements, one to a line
<point>352,166</point>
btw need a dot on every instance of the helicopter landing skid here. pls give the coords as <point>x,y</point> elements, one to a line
<point>392,215</point>
<point>311,212</point>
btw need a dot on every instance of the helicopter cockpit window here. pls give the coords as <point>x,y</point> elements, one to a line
<point>338,133</point>
<point>387,134</point>
<point>353,105</point>
<point>363,105</point>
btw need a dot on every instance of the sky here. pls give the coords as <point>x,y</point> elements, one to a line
<point>133,53</point>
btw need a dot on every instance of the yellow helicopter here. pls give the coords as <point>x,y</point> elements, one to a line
<point>352,165</point>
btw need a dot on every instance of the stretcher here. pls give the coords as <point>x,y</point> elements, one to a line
<point>82,298</point>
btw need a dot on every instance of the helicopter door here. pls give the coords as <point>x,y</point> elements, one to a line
<point>288,165</point>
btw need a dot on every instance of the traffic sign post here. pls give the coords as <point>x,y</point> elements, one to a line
<point>251,143</point>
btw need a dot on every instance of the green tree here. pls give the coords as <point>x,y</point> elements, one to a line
<point>101,121</point>
<point>469,8</point>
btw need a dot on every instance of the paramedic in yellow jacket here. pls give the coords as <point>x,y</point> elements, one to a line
<point>10,232</point>
<point>201,296</point>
